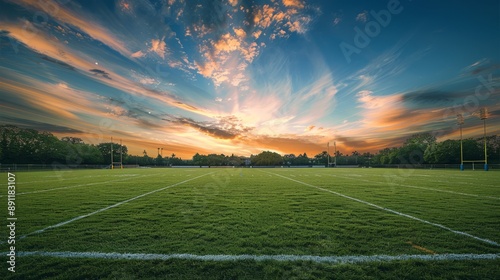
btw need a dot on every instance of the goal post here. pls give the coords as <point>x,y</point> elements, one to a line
<point>471,164</point>
<point>118,164</point>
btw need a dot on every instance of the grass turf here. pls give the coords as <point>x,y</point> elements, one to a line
<point>255,211</point>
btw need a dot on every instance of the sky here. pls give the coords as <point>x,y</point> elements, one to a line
<point>241,76</point>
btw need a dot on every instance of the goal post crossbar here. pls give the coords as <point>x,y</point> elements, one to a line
<point>462,167</point>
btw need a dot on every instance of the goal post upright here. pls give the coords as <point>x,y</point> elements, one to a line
<point>328,153</point>
<point>121,154</point>
<point>460,119</point>
<point>483,114</point>
<point>335,147</point>
<point>113,162</point>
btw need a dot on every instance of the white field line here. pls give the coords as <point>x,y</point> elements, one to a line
<point>108,207</point>
<point>447,181</point>
<point>57,180</point>
<point>392,211</point>
<point>225,258</point>
<point>82,185</point>
<point>423,188</point>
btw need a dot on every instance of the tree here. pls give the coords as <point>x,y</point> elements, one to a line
<point>443,152</point>
<point>72,140</point>
<point>421,139</point>
<point>356,154</point>
<point>199,159</point>
<point>302,159</point>
<point>267,158</point>
<point>473,149</point>
<point>235,160</point>
<point>175,160</point>
<point>386,156</point>
<point>78,152</point>
<point>413,149</point>
<point>289,159</point>
<point>48,148</point>
<point>322,158</point>
<point>159,160</point>
<point>20,145</point>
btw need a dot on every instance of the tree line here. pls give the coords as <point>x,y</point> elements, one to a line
<point>29,146</point>
<point>424,149</point>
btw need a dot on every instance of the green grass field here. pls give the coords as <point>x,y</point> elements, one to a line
<point>277,223</point>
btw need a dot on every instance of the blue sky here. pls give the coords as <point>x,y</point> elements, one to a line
<point>241,76</point>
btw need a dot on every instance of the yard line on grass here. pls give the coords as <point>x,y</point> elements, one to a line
<point>225,258</point>
<point>424,188</point>
<point>108,207</point>
<point>440,181</point>
<point>391,211</point>
<point>82,185</point>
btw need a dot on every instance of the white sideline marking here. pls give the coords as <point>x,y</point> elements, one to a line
<point>108,207</point>
<point>440,181</point>
<point>221,258</point>
<point>81,185</point>
<point>426,188</point>
<point>392,211</point>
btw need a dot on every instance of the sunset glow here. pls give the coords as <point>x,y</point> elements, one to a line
<point>241,77</point>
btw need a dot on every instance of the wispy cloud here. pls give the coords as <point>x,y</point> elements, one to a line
<point>40,42</point>
<point>159,47</point>
<point>337,20</point>
<point>65,15</point>
<point>362,17</point>
<point>223,128</point>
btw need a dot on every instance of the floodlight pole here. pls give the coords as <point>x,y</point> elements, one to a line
<point>328,151</point>
<point>460,119</point>
<point>484,116</point>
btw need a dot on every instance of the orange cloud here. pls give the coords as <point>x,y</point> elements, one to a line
<point>293,3</point>
<point>159,47</point>
<point>240,32</point>
<point>264,16</point>
<point>138,54</point>
<point>226,43</point>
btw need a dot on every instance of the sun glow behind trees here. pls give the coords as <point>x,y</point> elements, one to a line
<point>28,146</point>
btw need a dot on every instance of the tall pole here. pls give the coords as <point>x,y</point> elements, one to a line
<point>460,119</point>
<point>484,116</point>
<point>328,151</point>
<point>485,148</point>
<point>112,165</point>
<point>335,146</point>
<point>121,154</point>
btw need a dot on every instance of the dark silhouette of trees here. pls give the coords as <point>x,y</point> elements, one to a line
<point>28,146</point>
<point>267,158</point>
